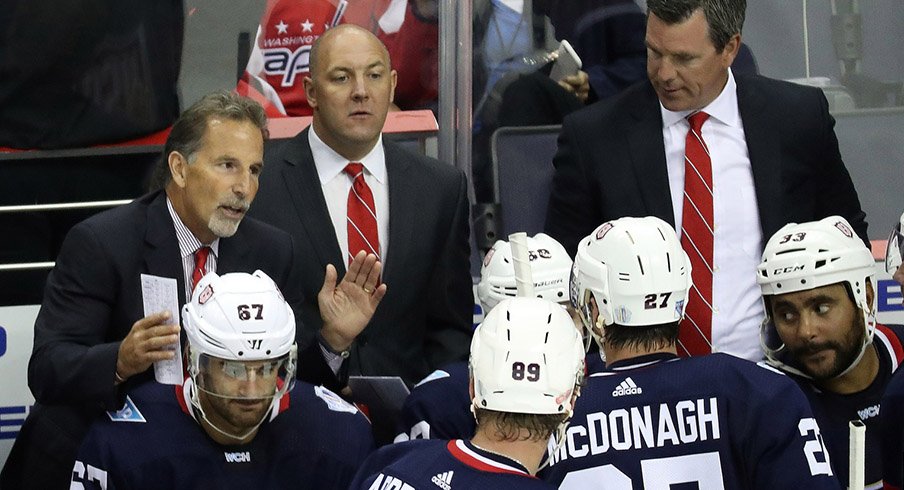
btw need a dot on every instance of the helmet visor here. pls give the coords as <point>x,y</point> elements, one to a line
<point>894,251</point>
<point>243,380</point>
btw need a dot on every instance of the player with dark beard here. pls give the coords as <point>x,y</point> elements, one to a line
<point>820,328</point>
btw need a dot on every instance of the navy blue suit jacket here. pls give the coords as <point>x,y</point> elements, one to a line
<point>611,161</point>
<point>91,300</point>
<point>425,319</point>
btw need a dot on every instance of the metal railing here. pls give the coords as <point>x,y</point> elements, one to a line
<point>66,206</point>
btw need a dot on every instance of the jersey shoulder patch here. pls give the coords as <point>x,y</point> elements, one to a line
<point>128,413</point>
<point>333,401</point>
<point>438,374</point>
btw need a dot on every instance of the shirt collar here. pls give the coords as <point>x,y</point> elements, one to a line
<point>330,164</point>
<point>640,361</point>
<point>188,242</point>
<point>723,109</point>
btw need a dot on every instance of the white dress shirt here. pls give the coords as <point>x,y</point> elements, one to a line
<point>188,245</point>
<point>738,238</point>
<point>335,184</point>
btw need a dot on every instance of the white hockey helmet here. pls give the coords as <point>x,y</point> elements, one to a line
<point>894,251</point>
<point>805,256</point>
<point>550,267</point>
<point>234,319</point>
<point>526,357</point>
<point>636,271</point>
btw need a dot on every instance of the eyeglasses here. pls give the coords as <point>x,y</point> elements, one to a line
<point>894,251</point>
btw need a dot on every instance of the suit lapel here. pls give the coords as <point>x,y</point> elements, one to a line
<point>765,154</point>
<point>233,252</point>
<point>401,216</point>
<point>648,156</point>
<point>162,257</point>
<point>303,187</point>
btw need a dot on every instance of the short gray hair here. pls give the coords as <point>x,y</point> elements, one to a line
<point>188,131</point>
<point>725,18</point>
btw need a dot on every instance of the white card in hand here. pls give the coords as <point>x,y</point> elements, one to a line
<point>162,294</point>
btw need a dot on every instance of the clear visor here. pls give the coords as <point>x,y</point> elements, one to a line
<point>894,251</point>
<point>243,380</point>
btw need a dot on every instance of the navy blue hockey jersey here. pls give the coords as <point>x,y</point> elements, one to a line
<point>709,422</point>
<point>442,465</point>
<point>439,406</point>
<point>891,418</point>
<point>834,411</point>
<point>312,439</point>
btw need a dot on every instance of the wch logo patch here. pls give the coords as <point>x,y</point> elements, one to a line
<point>238,457</point>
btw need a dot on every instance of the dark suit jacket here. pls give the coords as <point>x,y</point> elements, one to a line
<point>92,298</point>
<point>425,319</point>
<point>611,161</point>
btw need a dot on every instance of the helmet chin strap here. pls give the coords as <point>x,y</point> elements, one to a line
<point>196,403</point>
<point>559,436</point>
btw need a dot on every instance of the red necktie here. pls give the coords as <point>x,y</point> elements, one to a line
<point>697,240</point>
<point>200,263</point>
<point>362,215</point>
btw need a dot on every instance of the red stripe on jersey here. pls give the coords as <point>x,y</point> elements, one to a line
<point>180,397</point>
<point>461,452</point>
<point>283,403</point>
<point>893,341</point>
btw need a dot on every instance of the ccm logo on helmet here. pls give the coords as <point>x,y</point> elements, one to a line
<point>787,270</point>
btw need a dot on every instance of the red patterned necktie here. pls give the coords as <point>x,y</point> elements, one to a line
<point>200,263</point>
<point>695,333</point>
<point>362,215</point>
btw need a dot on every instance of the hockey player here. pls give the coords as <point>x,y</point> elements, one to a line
<point>236,422</point>
<point>820,328</point>
<point>892,413</point>
<point>439,406</point>
<point>891,419</point>
<point>527,362</point>
<point>894,253</point>
<point>654,421</point>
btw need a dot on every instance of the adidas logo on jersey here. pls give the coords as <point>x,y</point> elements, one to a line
<point>627,387</point>
<point>443,480</point>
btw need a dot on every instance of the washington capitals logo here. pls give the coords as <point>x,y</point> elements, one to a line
<point>844,229</point>
<point>206,294</point>
<point>603,230</point>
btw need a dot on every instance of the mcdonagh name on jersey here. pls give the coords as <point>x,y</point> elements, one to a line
<point>649,426</point>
